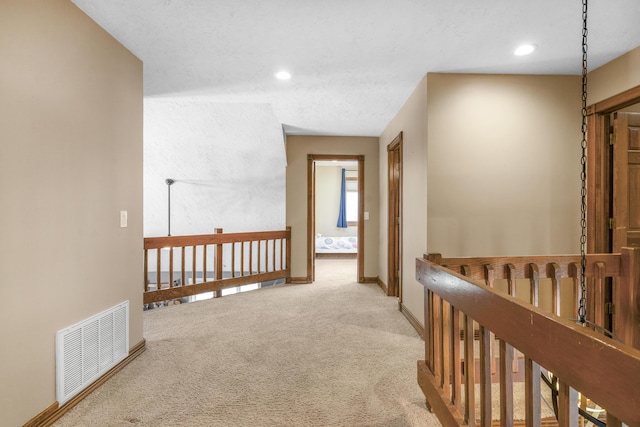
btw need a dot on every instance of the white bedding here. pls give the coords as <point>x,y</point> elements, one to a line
<point>326,244</point>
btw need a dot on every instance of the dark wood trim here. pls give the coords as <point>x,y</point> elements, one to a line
<point>617,102</point>
<point>300,280</point>
<point>383,285</point>
<point>349,255</point>
<point>311,215</point>
<point>215,285</point>
<point>54,412</point>
<point>334,157</point>
<point>42,416</point>
<point>598,184</point>
<point>412,319</point>
<point>598,168</point>
<point>394,287</point>
<point>214,239</point>
<point>311,179</point>
<point>369,280</point>
<point>361,242</point>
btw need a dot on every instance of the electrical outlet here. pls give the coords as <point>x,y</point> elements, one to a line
<point>123,219</point>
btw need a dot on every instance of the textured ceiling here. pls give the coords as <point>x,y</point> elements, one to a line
<point>354,62</point>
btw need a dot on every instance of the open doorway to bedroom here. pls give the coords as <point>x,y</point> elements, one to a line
<point>335,211</point>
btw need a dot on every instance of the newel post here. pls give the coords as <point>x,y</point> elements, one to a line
<point>288,254</point>
<point>627,313</point>
<point>218,267</point>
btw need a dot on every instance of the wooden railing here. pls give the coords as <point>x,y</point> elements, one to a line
<point>464,298</point>
<point>181,266</point>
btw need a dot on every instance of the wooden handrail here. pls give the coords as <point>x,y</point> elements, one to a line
<point>196,249</point>
<point>476,265</point>
<point>599,367</point>
<point>213,239</point>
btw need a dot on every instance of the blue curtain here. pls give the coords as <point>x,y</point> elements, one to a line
<point>342,215</point>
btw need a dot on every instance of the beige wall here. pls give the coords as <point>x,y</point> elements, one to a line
<point>70,161</point>
<point>298,147</point>
<point>614,77</point>
<point>490,167</point>
<point>411,120</point>
<point>503,169</point>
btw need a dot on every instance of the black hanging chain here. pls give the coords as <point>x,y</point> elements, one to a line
<point>582,309</point>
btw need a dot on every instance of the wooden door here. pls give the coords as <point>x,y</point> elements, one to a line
<point>394,151</point>
<point>626,181</point>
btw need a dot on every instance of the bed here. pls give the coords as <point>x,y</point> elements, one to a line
<point>328,246</point>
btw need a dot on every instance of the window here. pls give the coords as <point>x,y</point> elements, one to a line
<point>351,182</point>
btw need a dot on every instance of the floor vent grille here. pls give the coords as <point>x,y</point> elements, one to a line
<point>88,349</point>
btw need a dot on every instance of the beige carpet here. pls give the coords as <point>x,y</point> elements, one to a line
<point>335,353</point>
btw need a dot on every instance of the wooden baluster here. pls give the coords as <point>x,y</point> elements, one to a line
<point>456,361</point>
<point>533,405</point>
<point>489,277</point>
<point>158,269</point>
<point>250,258</point>
<point>146,270</point>
<point>437,337</point>
<point>259,258</point>
<point>274,256</point>
<point>194,274</point>
<point>534,287</point>
<point>204,264</point>
<point>485,377</point>
<point>429,330</point>
<point>511,280</point>
<point>281,254</point>
<point>217,269</point>
<point>266,256</point>
<point>233,259</point>
<point>182,269</point>
<point>288,251</point>
<point>567,406</point>
<point>612,421</point>
<point>446,348</point>
<point>574,273</point>
<point>627,306</point>
<point>469,374</point>
<point>469,360</point>
<point>506,384</point>
<point>241,259</point>
<point>171,267</point>
<point>582,402</point>
<point>627,298</point>
<point>599,280</point>
<point>555,273</point>
<point>531,368</point>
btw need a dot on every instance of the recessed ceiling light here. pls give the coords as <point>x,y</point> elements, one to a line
<point>525,49</point>
<point>283,75</point>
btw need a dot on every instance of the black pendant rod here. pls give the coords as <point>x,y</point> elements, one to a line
<point>169,182</point>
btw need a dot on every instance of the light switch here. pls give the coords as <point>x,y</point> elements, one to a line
<point>366,216</point>
<point>123,219</point>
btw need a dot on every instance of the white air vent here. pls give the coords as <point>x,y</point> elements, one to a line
<point>88,349</point>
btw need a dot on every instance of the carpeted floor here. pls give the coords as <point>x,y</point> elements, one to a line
<point>335,353</point>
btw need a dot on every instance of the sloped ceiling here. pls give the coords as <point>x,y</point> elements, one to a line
<point>353,62</point>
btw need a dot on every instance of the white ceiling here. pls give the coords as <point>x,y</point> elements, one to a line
<point>354,62</point>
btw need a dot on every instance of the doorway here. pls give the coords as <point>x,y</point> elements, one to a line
<point>394,155</point>
<point>613,180</point>
<point>613,173</point>
<point>315,161</point>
